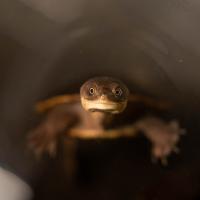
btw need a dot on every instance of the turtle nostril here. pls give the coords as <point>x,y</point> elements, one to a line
<point>103,97</point>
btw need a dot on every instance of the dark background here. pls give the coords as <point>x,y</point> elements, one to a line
<point>52,46</point>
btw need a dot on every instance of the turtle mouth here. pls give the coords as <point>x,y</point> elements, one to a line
<point>103,106</point>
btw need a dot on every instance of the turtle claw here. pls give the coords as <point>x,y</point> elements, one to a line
<point>40,149</point>
<point>52,149</point>
<point>183,131</point>
<point>164,161</point>
<point>163,158</point>
<point>176,150</point>
<point>154,160</point>
<point>161,153</point>
<point>40,142</point>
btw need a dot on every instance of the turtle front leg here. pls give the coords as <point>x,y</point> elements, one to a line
<point>164,136</point>
<point>44,137</point>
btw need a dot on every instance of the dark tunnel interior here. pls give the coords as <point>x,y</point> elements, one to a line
<point>51,47</point>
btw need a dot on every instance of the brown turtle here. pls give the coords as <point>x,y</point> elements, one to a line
<point>104,109</point>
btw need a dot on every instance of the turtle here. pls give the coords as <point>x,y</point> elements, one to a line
<point>105,109</point>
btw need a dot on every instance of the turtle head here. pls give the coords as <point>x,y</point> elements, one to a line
<point>104,94</point>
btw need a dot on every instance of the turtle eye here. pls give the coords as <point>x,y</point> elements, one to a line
<point>91,91</point>
<point>118,92</point>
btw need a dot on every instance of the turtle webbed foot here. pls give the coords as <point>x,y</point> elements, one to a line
<point>42,140</point>
<point>164,137</point>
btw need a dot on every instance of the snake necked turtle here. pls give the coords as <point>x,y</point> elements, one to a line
<point>104,109</point>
